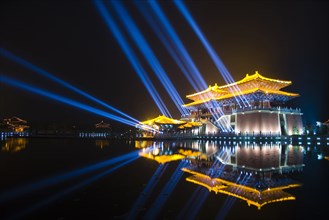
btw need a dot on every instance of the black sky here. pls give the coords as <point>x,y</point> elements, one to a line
<point>284,40</point>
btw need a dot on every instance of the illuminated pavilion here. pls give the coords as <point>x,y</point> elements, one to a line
<point>261,112</point>
<point>16,124</point>
<point>166,124</point>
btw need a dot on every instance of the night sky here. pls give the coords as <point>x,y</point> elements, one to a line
<point>282,40</point>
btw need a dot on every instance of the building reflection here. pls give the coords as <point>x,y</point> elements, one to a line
<point>164,152</point>
<point>143,144</point>
<point>102,143</point>
<point>256,173</point>
<point>14,145</point>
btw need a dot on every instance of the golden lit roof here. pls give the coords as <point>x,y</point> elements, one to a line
<point>102,124</point>
<point>249,82</point>
<point>190,125</point>
<point>245,92</point>
<point>256,76</point>
<point>214,88</point>
<point>161,119</point>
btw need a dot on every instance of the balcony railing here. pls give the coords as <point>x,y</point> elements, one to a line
<point>275,109</point>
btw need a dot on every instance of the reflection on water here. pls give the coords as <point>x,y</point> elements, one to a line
<point>164,152</point>
<point>255,173</point>
<point>14,145</point>
<point>102,143</point>
<point>143,144</point>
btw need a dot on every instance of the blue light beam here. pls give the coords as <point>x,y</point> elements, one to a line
<point>179,53</point>
<point>149,55</point>
<point>165,40</point>
<point>212,53</point>
<point>9,55</point>
<point>131,57</point>
<point>229,201</point>
<point>146,192</point>
<point>70,102</point>
<point>165,193</point>
<point>184,55</point>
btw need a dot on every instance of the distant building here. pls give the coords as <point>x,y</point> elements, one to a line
<point>103,127</point>
<point>16,124</point>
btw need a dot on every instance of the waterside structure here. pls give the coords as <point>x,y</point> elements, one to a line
<point>253,105</point>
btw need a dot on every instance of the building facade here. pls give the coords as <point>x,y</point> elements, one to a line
<point>254,105</point>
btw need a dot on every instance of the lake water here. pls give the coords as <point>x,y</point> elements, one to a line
<point>32,184</point>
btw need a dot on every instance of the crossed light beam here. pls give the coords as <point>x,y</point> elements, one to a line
<point>176,48</point>
<point>230,200</point>
<point>199,196</point>
<point>179,47</point>
<point>212,53</point>
<point>148,54</point>
<point>156,207</point>
<point>100,6</point>
<point>135,209</point>
<point>185,63</point>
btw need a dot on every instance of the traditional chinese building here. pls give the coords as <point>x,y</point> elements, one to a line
<point>16,124</point>
<point>103,125</point>
<point>254,105</point>
<point>165,124</point>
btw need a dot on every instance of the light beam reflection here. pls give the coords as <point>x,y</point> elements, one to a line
<point>69,190</point>
<point>165,193</point>
<point>29,188</point>
<point>147,191</point>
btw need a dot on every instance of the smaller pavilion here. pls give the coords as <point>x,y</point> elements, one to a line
<point>163,124</point>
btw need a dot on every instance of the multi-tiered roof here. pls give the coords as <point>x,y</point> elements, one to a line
<point>252,87</point>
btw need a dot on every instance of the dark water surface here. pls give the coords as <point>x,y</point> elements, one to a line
<point>112,196</point>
